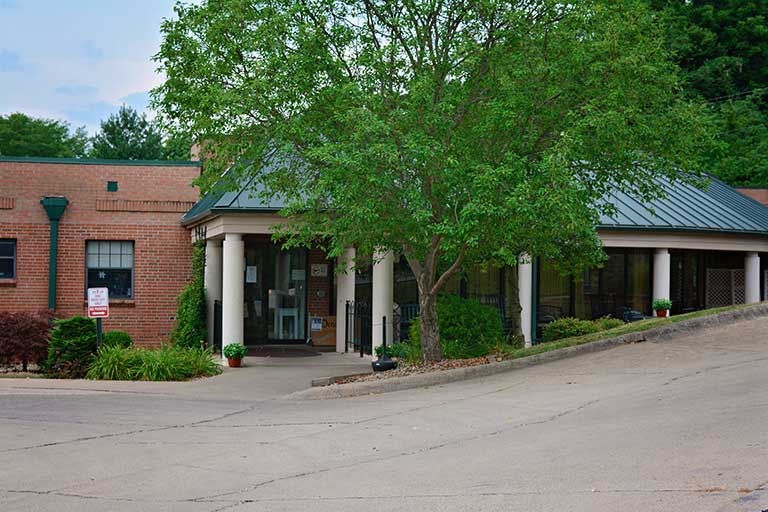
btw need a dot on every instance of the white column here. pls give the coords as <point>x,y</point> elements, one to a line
<point>383,296</point>
<point>661,276</point>
<point>345,291</point>
<point>751,278</point>
<point>233,290</point>
<point>212,280</point>
<point>524,288</point>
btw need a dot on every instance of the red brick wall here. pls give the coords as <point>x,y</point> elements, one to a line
<point>758,194</point>
<point>319,296</point>
<point>318,305</point>
<point>151,198</point>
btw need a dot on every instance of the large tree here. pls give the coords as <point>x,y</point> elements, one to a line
<point>128,135</point>
<point>450,131</point>
<point>22,135</point>
<point>722,48</point>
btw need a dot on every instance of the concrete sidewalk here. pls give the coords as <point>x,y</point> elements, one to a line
<point>261,378</point>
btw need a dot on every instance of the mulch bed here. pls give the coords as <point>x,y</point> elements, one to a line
<point>404,370</point>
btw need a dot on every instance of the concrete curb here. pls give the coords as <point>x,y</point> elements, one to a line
<point>658,334</point>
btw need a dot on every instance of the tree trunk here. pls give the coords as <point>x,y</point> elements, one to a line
<point>429,329</point>
<point>429,287</point>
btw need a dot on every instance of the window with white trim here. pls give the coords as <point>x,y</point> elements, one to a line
<point>7,258</point>
<point>110,264</point>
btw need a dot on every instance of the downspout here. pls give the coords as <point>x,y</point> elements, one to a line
<point>54,207</point>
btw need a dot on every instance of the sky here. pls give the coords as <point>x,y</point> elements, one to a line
<point>78,60</point>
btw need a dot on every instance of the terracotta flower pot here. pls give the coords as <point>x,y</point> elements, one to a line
<point>234,363</point>
<point>661,313</point>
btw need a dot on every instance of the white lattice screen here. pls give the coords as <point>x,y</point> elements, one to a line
<point>765,285</point>
<point>725,286</point>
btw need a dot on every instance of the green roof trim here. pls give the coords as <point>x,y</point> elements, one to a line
<point>717,208</point>
<point>248,197</point>
<point>92,161</point>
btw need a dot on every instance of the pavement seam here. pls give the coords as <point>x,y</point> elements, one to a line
<point>379,458</point>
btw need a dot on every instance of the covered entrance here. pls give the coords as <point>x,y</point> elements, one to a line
<point>275,305</point>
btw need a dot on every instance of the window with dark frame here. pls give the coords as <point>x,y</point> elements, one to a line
<point>7,258</point>
<point>110,264</point>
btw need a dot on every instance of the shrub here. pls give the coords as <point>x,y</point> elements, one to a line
<point>235,351</point>
<point>190,329</point>
<point>404,350</point>
<point>116,339</point>
<point>515,341</point>
<point>568,327</point>
<point>467,327</point>
<point>114,362</point>
<point>72,347</point>
<point>24,337</point>
<point>199,362</point>
<point>659,304</point>
<point>606,322</point>
<point>170,363</point>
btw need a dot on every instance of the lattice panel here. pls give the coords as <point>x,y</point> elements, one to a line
<point>765,285</point>
<point>739,291</point>
<point>724,287</point>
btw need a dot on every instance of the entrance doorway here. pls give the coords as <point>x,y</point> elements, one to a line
<point>275,309</point>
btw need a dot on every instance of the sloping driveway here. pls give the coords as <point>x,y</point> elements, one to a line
<point>673,426</point>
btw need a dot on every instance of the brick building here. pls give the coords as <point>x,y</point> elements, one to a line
<point>120,228</point>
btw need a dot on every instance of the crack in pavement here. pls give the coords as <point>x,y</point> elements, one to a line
<point>379,458</point>
<point>131,432</point>
<point>713,368</point>
<point>229,503</point>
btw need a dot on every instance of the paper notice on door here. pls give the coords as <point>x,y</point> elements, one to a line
<point>251,274</point>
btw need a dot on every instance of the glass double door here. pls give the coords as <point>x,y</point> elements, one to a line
<point>275,309</point>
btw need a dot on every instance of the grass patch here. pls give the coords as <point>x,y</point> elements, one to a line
<point>641,325</point>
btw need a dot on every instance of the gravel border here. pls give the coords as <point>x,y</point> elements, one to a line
<point>657,334</point>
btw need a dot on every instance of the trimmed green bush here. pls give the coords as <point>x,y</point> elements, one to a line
<point>116,339</point>
<point>190,328</point>
<point>170,363</point>
<point>605,323</point>
<point>659,304</point>
<point>467,328</point>
<point>72,347</point>
<point>567,327</point>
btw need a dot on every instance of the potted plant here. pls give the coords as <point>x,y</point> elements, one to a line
<point>234,352</point>
<point>661,306</point>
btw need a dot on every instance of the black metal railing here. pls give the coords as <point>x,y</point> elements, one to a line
<point>359,322</point>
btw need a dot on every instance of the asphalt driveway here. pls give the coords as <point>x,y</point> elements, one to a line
<point>678,425</point>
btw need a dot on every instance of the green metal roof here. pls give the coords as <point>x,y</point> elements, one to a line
<point>715,208</point>
<point>92,161</point>
<point>248,197</point>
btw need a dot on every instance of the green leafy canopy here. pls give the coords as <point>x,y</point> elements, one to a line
<point>22,135</point>
<point>450,131</point>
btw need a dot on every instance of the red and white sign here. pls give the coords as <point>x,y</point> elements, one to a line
<point>98,302</point>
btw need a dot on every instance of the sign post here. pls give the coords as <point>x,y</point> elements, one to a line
<point>98,308</point>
